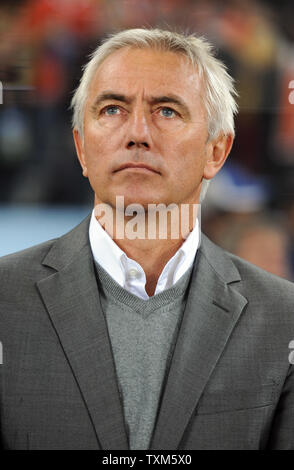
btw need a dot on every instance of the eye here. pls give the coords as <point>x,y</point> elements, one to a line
<point>168,112</point>
<point>111,110</point>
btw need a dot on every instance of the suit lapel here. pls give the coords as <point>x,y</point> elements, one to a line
<point>212,310</point>
<point>72,300</point>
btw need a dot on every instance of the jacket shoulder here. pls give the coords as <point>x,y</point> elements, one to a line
<point>264,290</point>
<point>268,295</point>
<point>255,275</point>
<point>25,263</point>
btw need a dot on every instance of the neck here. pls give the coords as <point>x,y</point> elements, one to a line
<point>151,239</point>
<point>152,255</point>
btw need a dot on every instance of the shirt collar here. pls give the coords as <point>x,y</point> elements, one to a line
<point>181,261</point>
<point>105,251</point>
<point>114,260</point>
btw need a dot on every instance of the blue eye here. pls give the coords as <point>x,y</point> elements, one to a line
<point>167,112</point>
<point>111,110</point>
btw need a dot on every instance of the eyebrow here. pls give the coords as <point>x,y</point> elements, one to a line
<point>170,99</point>
<point>109,96</point>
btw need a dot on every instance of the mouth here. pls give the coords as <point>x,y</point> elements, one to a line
<point>137,167</point>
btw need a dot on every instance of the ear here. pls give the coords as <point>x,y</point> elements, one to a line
<point>217,151</point>
<point>79,144</point>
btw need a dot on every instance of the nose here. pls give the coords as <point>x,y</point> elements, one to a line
<point>138,132</point>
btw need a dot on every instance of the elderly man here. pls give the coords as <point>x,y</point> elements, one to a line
<point>147,342</point>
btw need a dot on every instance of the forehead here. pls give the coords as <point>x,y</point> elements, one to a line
<point>130,70</point>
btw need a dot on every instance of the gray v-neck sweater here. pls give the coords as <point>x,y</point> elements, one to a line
<point>142,335</point>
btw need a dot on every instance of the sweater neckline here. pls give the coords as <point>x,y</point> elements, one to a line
<point>162,299</point>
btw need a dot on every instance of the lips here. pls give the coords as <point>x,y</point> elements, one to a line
<point>137,165</point>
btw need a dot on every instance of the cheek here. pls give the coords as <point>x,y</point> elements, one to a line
<point>95,147</point>
<point>93,137</point>
<point>189,159</point>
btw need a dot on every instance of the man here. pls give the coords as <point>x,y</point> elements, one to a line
<point>118,342</point>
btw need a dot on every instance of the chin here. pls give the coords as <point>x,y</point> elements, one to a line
<point>140,197</point>
<point>142,201</point>
<point>135,196</point>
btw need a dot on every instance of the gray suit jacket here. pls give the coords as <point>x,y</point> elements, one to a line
<point>230,384</point>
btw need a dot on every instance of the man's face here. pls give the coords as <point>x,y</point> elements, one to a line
<point>144,107</point>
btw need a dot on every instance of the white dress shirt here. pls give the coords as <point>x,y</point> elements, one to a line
<point>128,273</point>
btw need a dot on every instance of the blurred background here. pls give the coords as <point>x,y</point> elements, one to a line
<point>249,209</point>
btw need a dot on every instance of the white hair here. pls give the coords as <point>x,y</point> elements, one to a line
<point>218,85</point>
